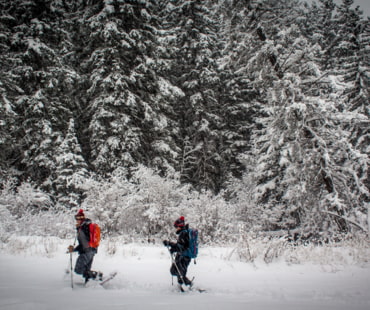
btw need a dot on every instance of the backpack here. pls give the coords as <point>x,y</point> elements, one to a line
<point>94,230</point>
<point>192,251</point>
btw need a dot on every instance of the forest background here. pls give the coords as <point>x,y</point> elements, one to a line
<point>248,117</point>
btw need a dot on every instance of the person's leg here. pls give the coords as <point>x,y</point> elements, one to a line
<point>179,269</point>
<point>80,266</point>
<point>83,265</point>
<point>183,264</point>
<point>175,269</point>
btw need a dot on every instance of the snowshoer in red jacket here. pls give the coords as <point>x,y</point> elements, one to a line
<point>86,253</point>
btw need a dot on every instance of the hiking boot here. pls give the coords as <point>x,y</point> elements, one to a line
<point>188,282</point>
<point>90,275</point>
<point>86,276</point>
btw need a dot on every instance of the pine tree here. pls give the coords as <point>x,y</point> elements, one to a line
<point>306,166</point>
<point>191,35</point>
<point>37,85</point>
<point>344,54</point>
<point>71,171</point>
<point>323,31</point>
<point>352,64</point>
<point>237,93</point>
<point>8,144</point>
<point>127,111</point>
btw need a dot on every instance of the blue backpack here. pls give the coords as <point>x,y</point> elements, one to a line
<point>192,251</point>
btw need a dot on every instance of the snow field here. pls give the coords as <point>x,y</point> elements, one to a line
<point>35,281</point>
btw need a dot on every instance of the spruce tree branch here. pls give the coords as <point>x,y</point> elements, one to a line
<point>347,220</point>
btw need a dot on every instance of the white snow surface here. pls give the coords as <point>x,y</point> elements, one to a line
<point>38,280</point>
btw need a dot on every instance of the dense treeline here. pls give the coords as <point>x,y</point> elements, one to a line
<point>263,103</point>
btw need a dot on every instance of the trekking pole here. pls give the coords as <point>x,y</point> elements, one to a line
<point>177,268</point>
<point>70,259</point>
<point>70,256</point>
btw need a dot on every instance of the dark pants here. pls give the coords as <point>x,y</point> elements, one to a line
<point>180,267</point>
<point>84,263</point>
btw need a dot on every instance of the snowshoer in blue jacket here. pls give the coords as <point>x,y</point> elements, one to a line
<point>180,265</point>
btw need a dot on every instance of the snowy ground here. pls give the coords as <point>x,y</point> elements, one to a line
<point>34,281</point>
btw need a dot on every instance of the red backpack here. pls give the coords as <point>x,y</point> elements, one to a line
<point>94,235</point>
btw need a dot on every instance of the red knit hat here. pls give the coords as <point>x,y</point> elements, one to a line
<point>80,214</point>
<point>180,222</point>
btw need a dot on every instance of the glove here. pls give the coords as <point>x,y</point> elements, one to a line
<point>70,249</point>
<point>168,243</point>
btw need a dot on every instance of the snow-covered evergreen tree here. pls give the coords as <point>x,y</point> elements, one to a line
<point>305,164</point>
<point>71,171</point>
<point>8,143</point>
<point>238,91</point>
<point>36,84</point>
<point>127,100</point>
<point>352,65</point>
<point>191,34</point>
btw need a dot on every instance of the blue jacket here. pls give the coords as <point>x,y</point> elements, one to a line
<point>182,243</point>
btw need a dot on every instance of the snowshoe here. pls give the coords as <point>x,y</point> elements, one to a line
<point>106,280</point>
